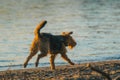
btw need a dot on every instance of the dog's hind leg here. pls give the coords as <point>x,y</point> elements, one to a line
<point>52,64</point>
<point>29,57</point>
<point>64,56</point>
<point>40,56</point>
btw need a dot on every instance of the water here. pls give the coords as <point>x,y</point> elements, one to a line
<point>95,23</point>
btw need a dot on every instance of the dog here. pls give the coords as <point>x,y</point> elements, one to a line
<point>47,43</point>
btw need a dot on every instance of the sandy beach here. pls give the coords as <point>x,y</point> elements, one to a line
<point>105,70</point>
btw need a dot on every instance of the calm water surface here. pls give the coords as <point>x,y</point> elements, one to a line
<point>95,23</point>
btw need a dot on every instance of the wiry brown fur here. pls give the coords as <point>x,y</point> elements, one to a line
<point>50,44</point>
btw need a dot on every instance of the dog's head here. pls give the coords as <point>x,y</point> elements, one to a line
<point>69,41</point>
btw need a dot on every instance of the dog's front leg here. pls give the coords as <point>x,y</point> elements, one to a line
<point>52,64</point>
<point>64,56</point>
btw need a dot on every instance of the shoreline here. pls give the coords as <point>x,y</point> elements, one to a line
<point>92,70</point>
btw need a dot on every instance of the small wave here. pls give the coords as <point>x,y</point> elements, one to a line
<point>6,60</point>
<point>10,66</point>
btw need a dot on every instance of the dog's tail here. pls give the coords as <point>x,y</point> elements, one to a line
<point>39,27</point>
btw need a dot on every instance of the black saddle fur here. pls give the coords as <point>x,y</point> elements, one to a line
<point>56,41</point>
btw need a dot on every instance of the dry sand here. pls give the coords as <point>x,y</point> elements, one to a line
<point>105,70</point>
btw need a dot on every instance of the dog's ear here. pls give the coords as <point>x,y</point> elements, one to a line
<point>70,33</point>
<point>67,33</point>
<point>63,33</point>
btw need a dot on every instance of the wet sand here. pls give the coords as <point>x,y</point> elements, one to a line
<point>105,70</point>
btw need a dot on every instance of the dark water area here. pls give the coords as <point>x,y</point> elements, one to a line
<point>95,25</point>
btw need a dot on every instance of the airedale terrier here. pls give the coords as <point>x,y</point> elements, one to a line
<point>50,44</point>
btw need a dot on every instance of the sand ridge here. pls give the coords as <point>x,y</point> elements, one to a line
<point>105,70</point>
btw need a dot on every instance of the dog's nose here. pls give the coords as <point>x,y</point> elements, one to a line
<point>75,43</point>
<point>45,21</point>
